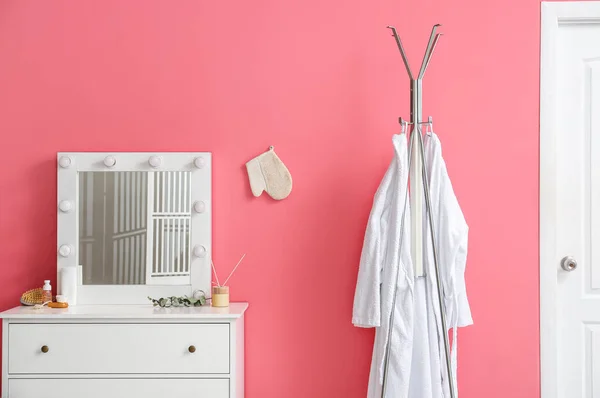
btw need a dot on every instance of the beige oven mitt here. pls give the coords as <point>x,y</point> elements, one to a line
<point>268,173</point>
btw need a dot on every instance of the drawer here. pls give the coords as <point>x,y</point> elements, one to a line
<point>118,388</point>
<point>118,348</point>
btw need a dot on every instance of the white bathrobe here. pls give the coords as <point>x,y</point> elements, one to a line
<point>417,357</point>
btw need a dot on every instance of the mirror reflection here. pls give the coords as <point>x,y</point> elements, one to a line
<point>134,227</point>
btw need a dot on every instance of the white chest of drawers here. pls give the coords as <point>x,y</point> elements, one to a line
<point>123,351</point>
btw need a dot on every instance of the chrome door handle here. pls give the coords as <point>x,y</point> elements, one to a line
<point>568,264</point>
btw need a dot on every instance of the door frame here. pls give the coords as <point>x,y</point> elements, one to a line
<point>553,14</point>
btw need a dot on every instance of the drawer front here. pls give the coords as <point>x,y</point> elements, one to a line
<point>118,388</point>
<point>118,348</point>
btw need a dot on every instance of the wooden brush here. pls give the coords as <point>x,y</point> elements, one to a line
<point>32,297</point>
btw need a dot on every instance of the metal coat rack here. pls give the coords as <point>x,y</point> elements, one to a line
<point>419,196</point>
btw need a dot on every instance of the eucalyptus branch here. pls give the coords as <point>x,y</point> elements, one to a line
<point>184,301</point>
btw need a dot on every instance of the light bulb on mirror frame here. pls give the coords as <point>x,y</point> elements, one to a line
<point>155,161</point>
<point>65,206</point>
<point>64,250</point>
<point>199,162</point>
<point>199,207</point>
<point>64,162</point>
<point>199,251</point>
<point>110,161</point>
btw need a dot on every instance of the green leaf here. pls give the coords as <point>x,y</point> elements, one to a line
<point>174,301</point>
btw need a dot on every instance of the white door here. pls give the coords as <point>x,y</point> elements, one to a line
<point>570,200</point>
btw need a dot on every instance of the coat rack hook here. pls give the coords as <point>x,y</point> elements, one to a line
<point>433,37</point>
<point>402,52</point>
<point>435,41</point>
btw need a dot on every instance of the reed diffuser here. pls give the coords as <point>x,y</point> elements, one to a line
<point>220,293</point>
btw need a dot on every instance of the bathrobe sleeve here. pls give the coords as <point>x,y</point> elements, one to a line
<point>451,232</point>
<point>452,238</point>
<point>367,297</point>
<point>463,309</point>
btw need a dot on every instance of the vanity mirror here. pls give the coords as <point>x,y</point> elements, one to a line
<point>134,225</point>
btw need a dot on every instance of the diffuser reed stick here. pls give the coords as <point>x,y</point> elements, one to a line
<point>230,275</point>
<point>215,271</point>
<point>239,262</point>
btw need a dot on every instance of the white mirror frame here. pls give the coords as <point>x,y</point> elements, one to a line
<point>70,164</point>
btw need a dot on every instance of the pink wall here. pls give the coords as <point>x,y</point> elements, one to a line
<point>324,83</point>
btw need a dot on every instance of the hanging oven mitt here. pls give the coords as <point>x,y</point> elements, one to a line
<point>268,173</point>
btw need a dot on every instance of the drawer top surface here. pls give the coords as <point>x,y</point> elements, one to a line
<point>235,310</point>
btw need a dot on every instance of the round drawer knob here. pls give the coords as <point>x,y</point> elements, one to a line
<point>45,349</point>
<point>192,349</point>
